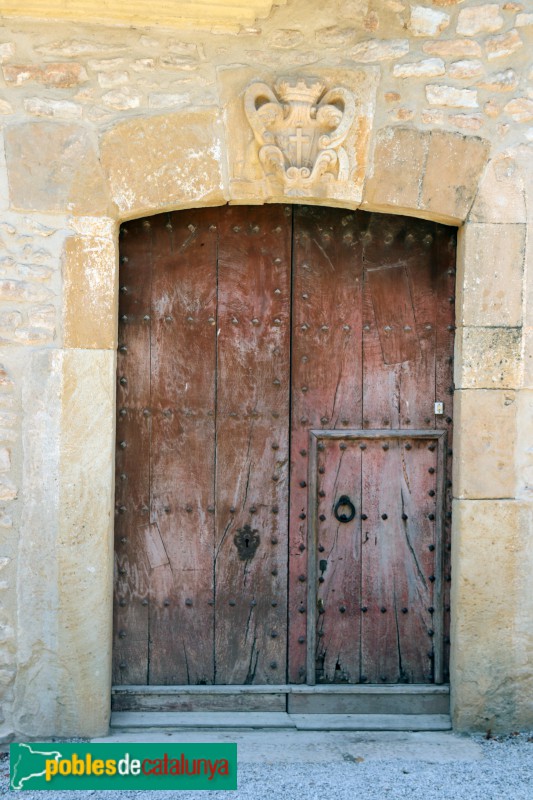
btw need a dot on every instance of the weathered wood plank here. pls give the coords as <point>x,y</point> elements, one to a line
<point>183,363</point>
<point>338,563</point>
<point>326,372</point>
<point>253,387</point>
<point>132,568</point>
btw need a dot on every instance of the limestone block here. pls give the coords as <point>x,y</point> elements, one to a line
<point>479,19</point>
<point>465,69</point>
<point>427,68</point>
<point>492,641</point>
<point>165,162</point>
<point>524,444</point>
<point>59,76</point>
<point>407,171</point>
<point>451,97</point>
<point>379,50</point>
<point>520,109</point>
<point>483,464</point>
<point>62,109</point>
<point>7,51</point>
<point>505,81</point>
<point>426,21</point>
<point>501,195</point>
<point>66,554</point>
<point>490,275</point>
<point>53,166</point>
<point>528,358</point>
<point>453,48</point>
<point>89,293</point>
<point>524,20</point>
<point>488,358</point>
<point>398,169</point>
<point>503,45</point>
<point>254,178</point>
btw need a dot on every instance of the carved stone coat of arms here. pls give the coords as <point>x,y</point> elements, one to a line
<point>299,128</point>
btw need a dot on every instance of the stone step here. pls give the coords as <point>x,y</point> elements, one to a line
<point>139,720</point>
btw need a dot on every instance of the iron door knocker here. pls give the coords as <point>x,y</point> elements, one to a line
<point>344,501</point>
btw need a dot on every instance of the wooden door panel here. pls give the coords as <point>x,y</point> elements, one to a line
<point>326,372</point>
<point>183,364</point>
<point>132,567</point>
<point>338,562</point>
<point>398,560</point>
<point>252,445</point>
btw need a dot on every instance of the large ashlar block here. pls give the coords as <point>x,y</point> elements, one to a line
<point>90,292</point>
<point>524,444</point>
<point>406,174</point>
<point>502,192</point>
<point>323,158</point>
<point>488,358</point>
<point>165,162</point>
<point>483,464</point>
<point>54,166</point>
<point>66,550</point>
<point>492,602</point>
<point>490,274</point>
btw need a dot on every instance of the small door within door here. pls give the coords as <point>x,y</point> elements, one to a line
<point>374,556</point>
<point>281,472</point>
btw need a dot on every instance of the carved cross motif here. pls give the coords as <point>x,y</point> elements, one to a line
<point>299,128</point>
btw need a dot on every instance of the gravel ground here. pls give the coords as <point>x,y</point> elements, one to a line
<point>505,772</point>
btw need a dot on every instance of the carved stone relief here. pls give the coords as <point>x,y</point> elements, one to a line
<point>300,137</point>
<point>299,129</point>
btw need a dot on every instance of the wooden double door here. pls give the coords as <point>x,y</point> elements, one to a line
<point>282,502</point>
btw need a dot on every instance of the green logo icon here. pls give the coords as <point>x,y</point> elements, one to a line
<point>52,765</point>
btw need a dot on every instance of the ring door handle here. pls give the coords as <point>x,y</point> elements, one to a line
<point>344,510</point>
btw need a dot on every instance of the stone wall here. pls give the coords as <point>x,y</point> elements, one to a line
<point>100,124</point>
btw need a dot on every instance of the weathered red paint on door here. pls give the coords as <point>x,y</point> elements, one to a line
<point>273,360</point>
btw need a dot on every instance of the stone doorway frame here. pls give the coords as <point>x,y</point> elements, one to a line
<point>174,162</point>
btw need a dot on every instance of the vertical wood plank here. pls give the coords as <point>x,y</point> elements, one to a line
<point>183,363</point>
<point>398,560</point>
<point>445,256</point>
<point>252,445</point>
<point>326,372</point>
<point>132,482</point>
<point>338,563</point>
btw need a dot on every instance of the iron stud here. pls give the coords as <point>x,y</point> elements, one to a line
<point>405,610</point>
<point>188,602</point>
<point>301,578</point>
<point>274,603</point>
<point>275,478</point>
<point>275,509</point>
<point>277,321</point>
<point>301,639</point>
<point>431,547</point>
<point>431,517</point>
<point>253,509</point>
<point>273,634</point>
<point>122,603</point>
<point>431,632</point>
<point>302,515</point>
<point>122,412</point>
<point>383,610</point>
<point>384,516</point>
<point>342,609</point>
<point>122,634</point>
<point>274,572</point>
<point>277,291</point>
<point>362,446</point>
<point>321,470</point>
<point>123,445</point>
<point>404,517</point>
<point>276,382</point>
<point>144,602</point>
<point>274,539</point>
<point>322,493</point>
<point>301,548</point>
<point>123,381</point>
<point>211,320</point>
<point>122,348</point>
<point>273,665</point>
<point>253,603</point>
<point>188,509</point>
<point>303,484</point>
<point>343,446</point>
<point>431,609</point>
<point>324,420</point>
<point>166,603</point>
<point>232,602</point>
<point>364,516</point>
<point>432,578</point>
<point>407,446</point>
<point>364,609</point>
<point>146,318</point>
<point>211,509</point>
<point>322,518</point>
